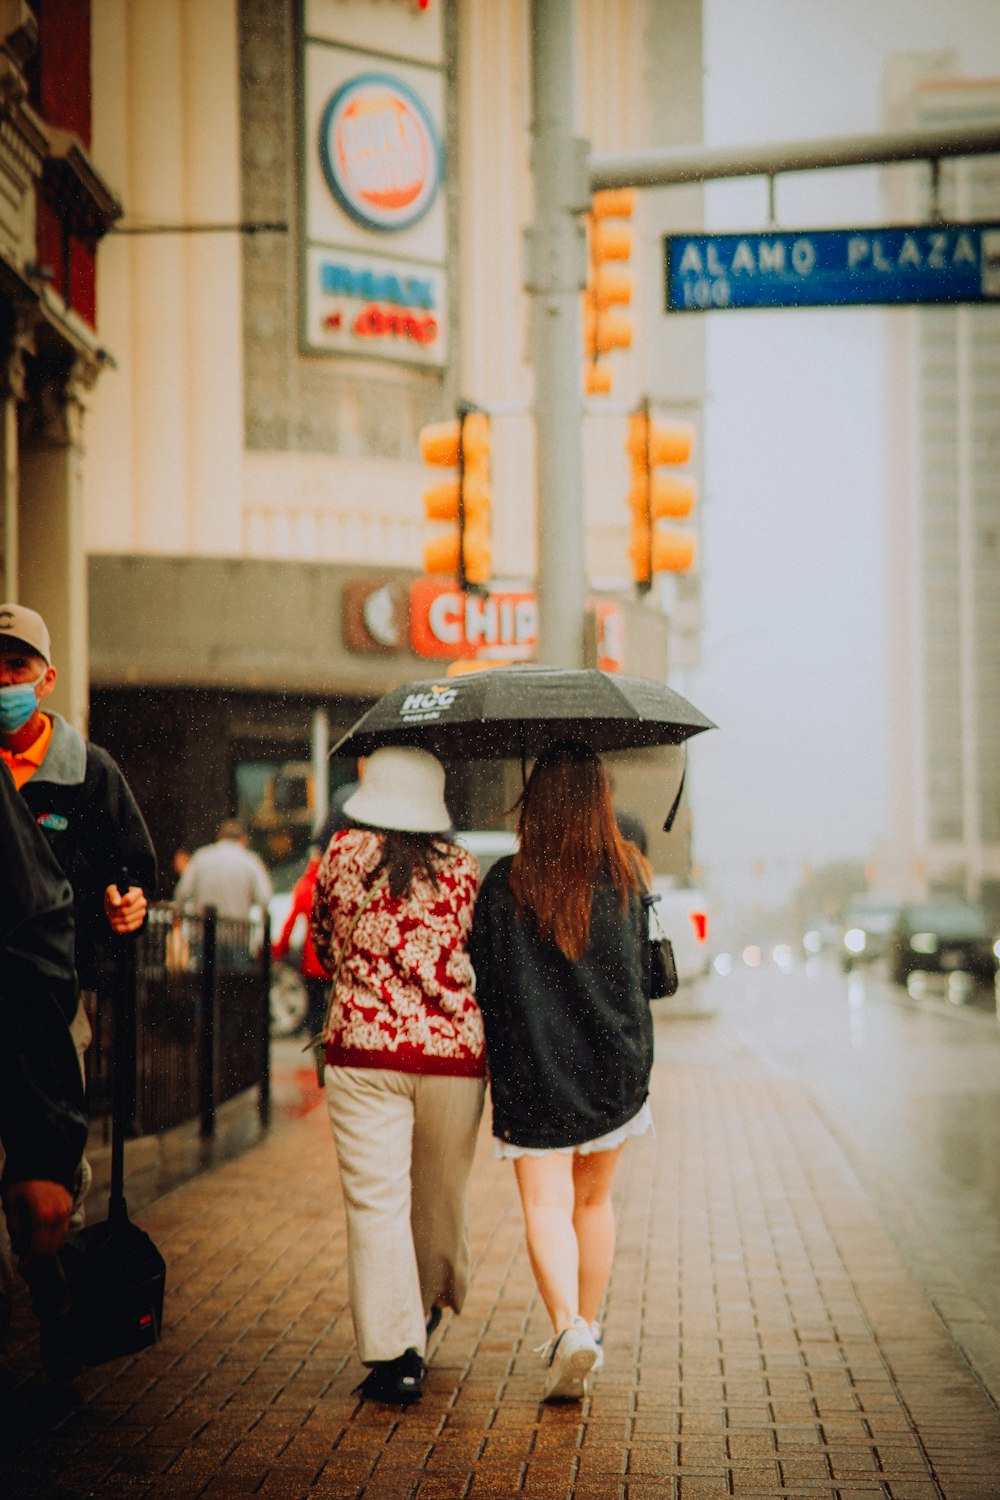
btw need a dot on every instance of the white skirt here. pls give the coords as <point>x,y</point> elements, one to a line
<point>639,1124</point>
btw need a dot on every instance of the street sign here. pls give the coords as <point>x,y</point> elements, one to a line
<point>896,265</point>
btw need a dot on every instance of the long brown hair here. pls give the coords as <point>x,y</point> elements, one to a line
<point>568,840</point>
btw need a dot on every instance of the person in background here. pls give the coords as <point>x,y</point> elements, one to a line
<point>226,875</point>
<point>43,1122</point>
<point>559,954</point>
<point>336,818</point>
<point>629,826</point>
<point>405,1060</point>
<point>315,977</point>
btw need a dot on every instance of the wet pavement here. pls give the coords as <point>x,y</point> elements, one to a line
<point>768,1332</point>
<point>912,1082</point>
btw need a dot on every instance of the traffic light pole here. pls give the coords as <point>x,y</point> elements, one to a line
<point>556,276</point>
<point>645,584</point>
<point>565,176</point>
<point>671,166</point>
<point>462,411</point>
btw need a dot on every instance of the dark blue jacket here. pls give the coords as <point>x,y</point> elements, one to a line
<point>43,1124</point>
<point>84,806</point>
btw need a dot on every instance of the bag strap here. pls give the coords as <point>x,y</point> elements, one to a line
<point>369,897</point>
<point>649,901</point>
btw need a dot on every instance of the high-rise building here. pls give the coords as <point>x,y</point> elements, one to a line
<point>943,534</point>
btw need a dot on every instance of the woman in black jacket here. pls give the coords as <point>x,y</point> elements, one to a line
<point>557,946</point>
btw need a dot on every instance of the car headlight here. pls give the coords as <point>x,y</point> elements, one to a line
<point>925,942</point>
<point>854,940</point>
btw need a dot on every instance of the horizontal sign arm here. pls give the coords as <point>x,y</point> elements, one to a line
<point>670,166</point>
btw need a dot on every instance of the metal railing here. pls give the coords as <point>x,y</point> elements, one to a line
<point>192,992</point>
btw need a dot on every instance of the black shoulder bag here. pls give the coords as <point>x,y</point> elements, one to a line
<point>658,955</point>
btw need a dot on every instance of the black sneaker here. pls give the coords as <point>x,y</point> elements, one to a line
<point>395,1380</point>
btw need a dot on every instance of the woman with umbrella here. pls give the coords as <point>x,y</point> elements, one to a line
<point>558,949</point>
<point>405,1059</point>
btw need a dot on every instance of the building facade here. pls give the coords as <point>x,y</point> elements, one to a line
<point>55,208</point>
<point>321,253</point>
<point>944,531</point>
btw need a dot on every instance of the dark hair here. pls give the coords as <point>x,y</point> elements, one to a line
<point>406,855</point>
<point>568,840</point>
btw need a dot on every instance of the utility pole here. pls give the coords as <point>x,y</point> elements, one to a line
<point>556,276</point>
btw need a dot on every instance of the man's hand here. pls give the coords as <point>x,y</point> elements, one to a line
<point>125,913</point>
<point>38,1214</point>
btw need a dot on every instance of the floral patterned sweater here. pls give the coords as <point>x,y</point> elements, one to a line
<point>405,996</point>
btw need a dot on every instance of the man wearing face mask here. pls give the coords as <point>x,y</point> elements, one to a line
<point>82,803</point>
<point>79,797</point>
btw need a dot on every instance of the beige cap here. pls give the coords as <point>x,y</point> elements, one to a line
<point>28,627</point>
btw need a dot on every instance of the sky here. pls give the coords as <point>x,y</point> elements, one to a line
<point>794,545</point>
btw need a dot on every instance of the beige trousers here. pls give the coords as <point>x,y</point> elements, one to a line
<point>405,1144</point>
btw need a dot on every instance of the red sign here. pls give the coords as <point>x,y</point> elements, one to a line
<point>502,626</point>
<point>444,622</point>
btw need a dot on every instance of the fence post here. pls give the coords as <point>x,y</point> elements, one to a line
<point>207,1060</point>
<point>264,1089</point>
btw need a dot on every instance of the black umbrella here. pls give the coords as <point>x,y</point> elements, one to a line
<point>516,712</point>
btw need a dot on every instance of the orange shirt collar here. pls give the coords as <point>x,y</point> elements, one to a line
<point>24,763</point>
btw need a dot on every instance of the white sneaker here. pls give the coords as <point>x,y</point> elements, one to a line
<point>598,1337</point>
<point>569,1358</point>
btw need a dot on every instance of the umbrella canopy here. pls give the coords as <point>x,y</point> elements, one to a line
<point>510,712</point>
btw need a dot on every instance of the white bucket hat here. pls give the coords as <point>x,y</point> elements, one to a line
<point>403,788</point>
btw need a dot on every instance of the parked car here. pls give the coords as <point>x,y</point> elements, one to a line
<point>942,937</point>
<point>868,924</point>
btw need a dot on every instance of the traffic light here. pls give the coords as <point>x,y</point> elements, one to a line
<point>464,553</point>
<point>607,240</point>
<point>653,497</point>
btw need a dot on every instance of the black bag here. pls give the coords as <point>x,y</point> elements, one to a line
<point>114,1274</point>
<point>116,1279</point>
<point>659,962</point>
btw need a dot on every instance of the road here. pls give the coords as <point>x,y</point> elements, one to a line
<point>912,1088</point>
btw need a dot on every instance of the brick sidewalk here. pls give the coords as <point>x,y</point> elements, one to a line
<point>764,1336</point>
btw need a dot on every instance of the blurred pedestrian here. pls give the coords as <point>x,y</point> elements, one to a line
<point>314,976</point>
<point>630,827</point>
<point>336,818</point>
<point>226,875</point>
<point>559,954</point>
<point>405,1062</point>
<point>43,1124</point>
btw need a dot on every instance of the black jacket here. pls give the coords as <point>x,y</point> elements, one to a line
<point>43,1124</point>
<point>569,1045</point>
<point>83,805</point>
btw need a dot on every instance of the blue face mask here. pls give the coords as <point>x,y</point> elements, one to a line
<point>17,704</point>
